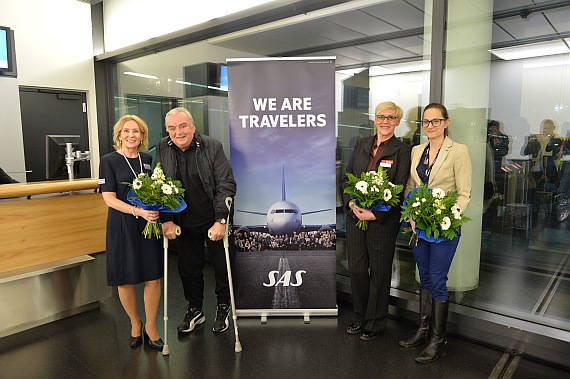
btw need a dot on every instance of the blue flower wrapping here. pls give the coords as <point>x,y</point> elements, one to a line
<point>155,207</point>
<point>422,233</point>
<point>379,206</point>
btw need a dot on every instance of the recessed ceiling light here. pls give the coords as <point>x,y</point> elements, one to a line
<point>540,49</point>
<point>140,75</point>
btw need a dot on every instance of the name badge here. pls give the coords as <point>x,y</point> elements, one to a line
<point>386,163</point>
<point>146,166</point>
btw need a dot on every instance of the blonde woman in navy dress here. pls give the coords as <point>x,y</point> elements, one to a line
<point>131,258</point>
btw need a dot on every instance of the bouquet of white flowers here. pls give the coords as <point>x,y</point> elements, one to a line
<point>435,213</point>
<point>373,191</point>
<point>156,192</point>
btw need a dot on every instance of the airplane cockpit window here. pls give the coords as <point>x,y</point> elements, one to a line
<point>273,211</point>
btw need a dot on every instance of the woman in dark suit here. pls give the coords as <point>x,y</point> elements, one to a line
<point>439,163</point>
<point>370,252</point>
<point>131,258</point>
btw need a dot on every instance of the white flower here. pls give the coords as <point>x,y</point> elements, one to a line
<point>446,223</point>
<point>378,180</point>
<point>423,199</point>
<point>137,184</point>
<point>387,194</point>
<point>438,193</point>
<point>158,174</point>
<point>438,211</point>
<point>416,204</point>
<point>166,189</point>
<point>456,212</point>
<point>362,186</point>
<point>174,188</point>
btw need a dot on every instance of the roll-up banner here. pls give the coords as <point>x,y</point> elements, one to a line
<point>282,148</point>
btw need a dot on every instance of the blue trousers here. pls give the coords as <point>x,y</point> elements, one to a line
<point>433,260</point>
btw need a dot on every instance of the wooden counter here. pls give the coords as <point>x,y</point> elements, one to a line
<point>47,229</point>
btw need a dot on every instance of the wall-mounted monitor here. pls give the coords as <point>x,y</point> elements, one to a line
<point>7,52</point>
<point>56,167</point>
<point>224,77</point>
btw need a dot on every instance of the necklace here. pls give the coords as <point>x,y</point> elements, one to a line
<point>129,163</point>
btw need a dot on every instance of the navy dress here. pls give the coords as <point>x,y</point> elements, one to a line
<point>131,258</point>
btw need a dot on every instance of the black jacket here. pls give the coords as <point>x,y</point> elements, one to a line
<point>397,152</point>
<point>215,171</point>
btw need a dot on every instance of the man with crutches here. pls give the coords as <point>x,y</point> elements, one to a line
<point>199,162</point>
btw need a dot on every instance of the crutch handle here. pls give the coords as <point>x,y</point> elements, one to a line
<point>177,231</point>
<point>226,234</point>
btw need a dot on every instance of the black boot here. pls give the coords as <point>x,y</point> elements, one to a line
<point>422,333</point>
<point>438,343</point>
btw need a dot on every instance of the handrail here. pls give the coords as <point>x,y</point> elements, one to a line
<point>54,186</point>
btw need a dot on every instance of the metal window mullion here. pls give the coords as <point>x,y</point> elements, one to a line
<point>439,19</point>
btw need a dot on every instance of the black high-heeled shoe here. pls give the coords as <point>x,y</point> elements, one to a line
<point>135,341</point>
<point>158,344</point>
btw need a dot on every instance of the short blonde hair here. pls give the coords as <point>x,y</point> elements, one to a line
<point>119,127</point>
<point>389,105</point>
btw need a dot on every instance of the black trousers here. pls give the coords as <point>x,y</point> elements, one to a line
<point>190,247</point>
<point>370,256</point>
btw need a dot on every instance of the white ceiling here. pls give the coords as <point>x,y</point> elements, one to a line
<point>392,31</point>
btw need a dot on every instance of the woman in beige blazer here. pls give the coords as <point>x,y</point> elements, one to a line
<point>439,163</point>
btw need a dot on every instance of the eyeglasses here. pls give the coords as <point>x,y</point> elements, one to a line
<point>390,119</point>
<point>435,122</point>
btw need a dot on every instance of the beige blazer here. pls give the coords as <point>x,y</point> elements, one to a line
<point>451,171</point>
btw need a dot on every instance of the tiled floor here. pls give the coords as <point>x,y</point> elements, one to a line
<point>94,344</point>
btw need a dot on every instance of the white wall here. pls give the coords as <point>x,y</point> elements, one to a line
<point>176,15</point>
<point>54,49</point>
<point>11,142</point>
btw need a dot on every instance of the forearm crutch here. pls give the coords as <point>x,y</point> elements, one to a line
<point>165,349</point>
<point>229,268</point>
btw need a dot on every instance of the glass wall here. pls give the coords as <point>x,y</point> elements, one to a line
<point>512,113</point>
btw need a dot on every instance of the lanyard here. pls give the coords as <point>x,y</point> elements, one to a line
<point>131,167</point>
<point>429,166</point>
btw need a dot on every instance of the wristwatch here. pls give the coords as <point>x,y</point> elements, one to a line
<point>221,221</point>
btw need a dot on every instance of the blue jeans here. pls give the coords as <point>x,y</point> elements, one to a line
<point>433,260</point>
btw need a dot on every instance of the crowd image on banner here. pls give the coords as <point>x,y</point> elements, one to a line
<point>246,240</point>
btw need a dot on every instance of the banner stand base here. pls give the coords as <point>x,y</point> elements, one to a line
<point>305,313</point>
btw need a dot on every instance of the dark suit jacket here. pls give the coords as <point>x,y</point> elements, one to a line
<point>451,171</point>
<point>398,172</point>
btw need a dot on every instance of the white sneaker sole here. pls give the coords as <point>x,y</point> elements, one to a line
<point>227,324</point>
<point>193,324</point>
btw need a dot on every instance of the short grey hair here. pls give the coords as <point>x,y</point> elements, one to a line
<point>176,111</point>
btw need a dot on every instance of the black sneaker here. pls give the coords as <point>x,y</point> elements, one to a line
<point>194,316</point>
<point>222,322</point>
